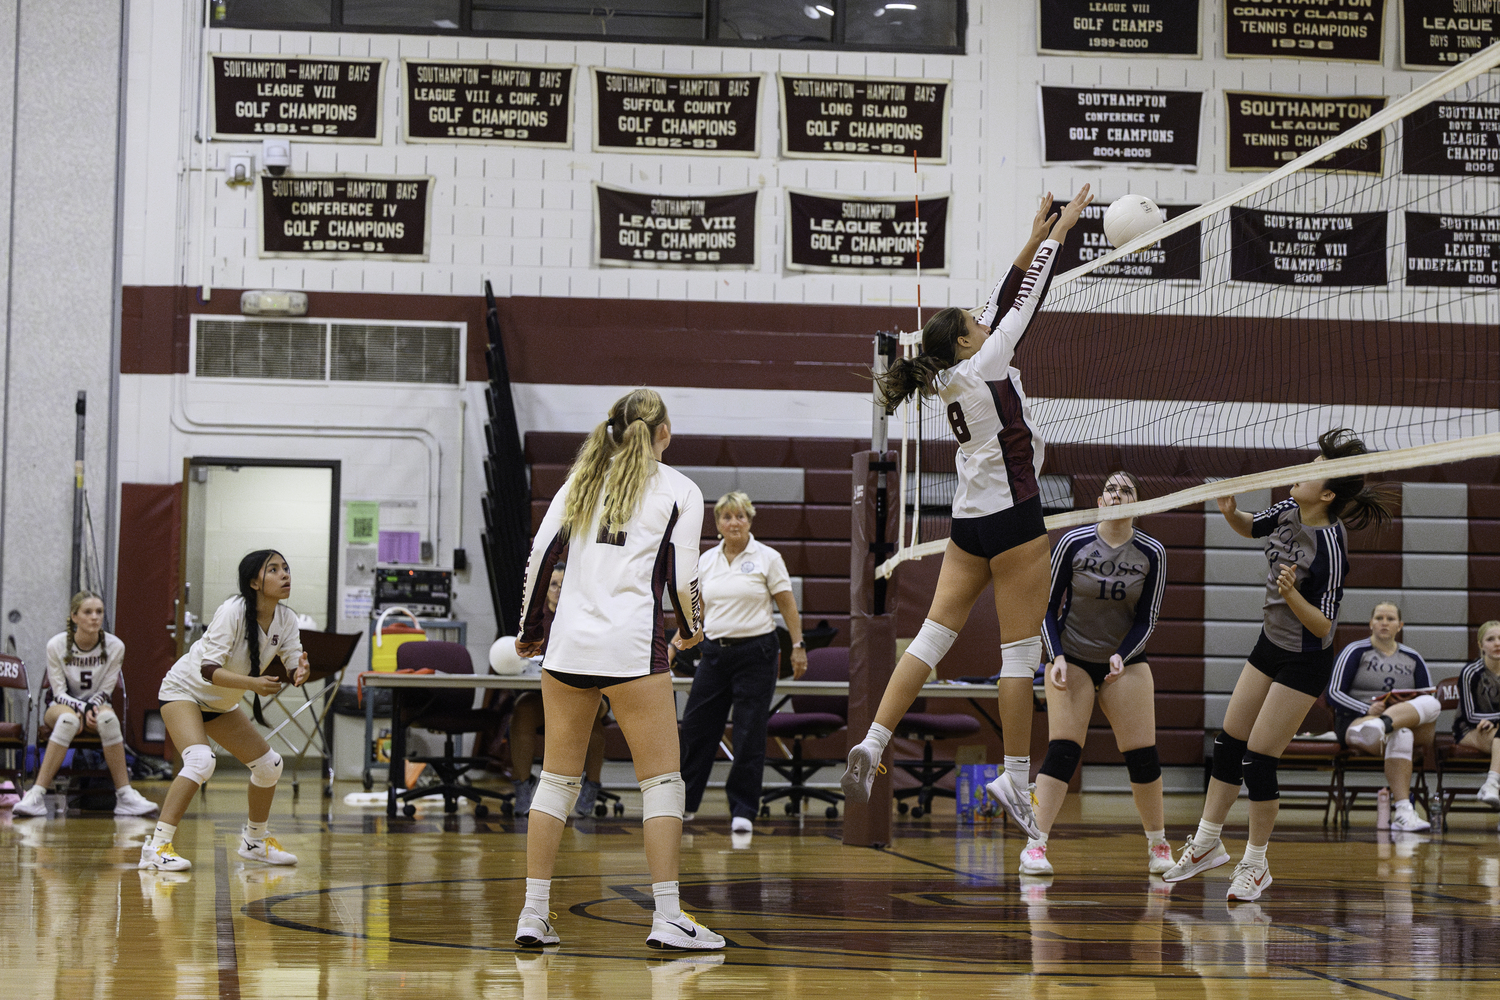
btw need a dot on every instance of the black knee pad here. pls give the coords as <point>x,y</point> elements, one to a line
<point>1260,776</point>
<point>1144,765</point>
<point>1229,757</point>
<point>1062,760</point>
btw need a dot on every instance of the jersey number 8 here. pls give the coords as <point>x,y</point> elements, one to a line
<point>956,421</point>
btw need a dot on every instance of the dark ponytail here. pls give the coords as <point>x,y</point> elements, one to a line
<point>1354,502</point>
<point>917,375</point>
<point>251,568</point>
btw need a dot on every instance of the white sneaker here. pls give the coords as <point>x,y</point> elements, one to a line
<point>681,932</point>
<point>163,858</point>
<point>1368,736</point>
<point>742,824</point>
<point>1195,859</point>
<point>268,850</point>
<point>1250,880</point>
<point>33,803</point>
<point>129,802</point>
<point>1159,858</point>
<point>1407,820</point>
<point>1018,802</point>
<point>1489,794</point>
<point>1034,858</point>
<point>860,773</point>
<point>535,931</point>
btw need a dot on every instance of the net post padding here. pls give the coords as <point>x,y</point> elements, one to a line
<point>1476,65</point>
<point>872,638</point>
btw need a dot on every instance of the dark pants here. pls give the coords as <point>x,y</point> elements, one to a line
<point>743,676</point>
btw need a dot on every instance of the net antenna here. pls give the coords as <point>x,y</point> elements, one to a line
<point>1219,381</point>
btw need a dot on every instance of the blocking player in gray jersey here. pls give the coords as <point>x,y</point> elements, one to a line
<point>83,669</point>
<point>1376,711</point>
<point>1108,580</point>
<point>998,534</point>
<point>1307,554</point>
<point>1479,708</point>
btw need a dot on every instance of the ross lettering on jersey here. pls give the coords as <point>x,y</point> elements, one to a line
<point>1109,567</point>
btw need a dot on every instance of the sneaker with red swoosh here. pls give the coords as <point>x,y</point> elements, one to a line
<point>1195,859</point>
<point>1250,880</point>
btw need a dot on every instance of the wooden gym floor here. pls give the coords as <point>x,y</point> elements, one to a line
<point>425,908</point>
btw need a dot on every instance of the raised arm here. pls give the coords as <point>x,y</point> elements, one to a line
<point>1003,296</point>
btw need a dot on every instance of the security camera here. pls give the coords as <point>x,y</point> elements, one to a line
<point>276,154</point>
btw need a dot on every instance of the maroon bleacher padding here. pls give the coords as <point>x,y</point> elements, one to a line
<point>1374,569</point>
<point>1484,605</point>
<point>1184,565</point>
<point>1484,536</point>
<point>1182,600</point>
<point>1176,673</point>
<point>827,485</point>
<point>1178,638</point>
<point>1174,528</point>
<point>547,479</point>
<point>793,520</point>
<point>825,596</point>
<point>1484,500</point>
<point>1386,538</point>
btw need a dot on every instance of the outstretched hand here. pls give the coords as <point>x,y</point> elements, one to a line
<point>1042,222</point>
<point>1072,213</point>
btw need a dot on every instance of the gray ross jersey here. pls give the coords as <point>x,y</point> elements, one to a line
<point>1321,559</point>
<point>1363,672</point>
<point>1104,599</point>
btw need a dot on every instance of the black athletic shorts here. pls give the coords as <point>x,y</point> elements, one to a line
<point>1308,671</point>
<point>1098,671</point>
<point>585,681</point>
<point>992,534</point>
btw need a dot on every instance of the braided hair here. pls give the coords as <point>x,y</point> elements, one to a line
<point>252,568</point>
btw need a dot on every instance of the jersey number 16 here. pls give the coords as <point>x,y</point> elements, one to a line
<point>1115,591</point>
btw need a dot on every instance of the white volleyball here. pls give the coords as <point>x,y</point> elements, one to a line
<point>503,657</point>
<point>1129,217</point>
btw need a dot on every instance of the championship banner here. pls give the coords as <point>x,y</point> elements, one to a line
<point>1176,258</point>
<point>1152,128</point>
<point>1452,250</point>
<point>1280,248</point>
<point>709,232</point>
<point>331,97</point>
<point>1435,34</point>
<point>1327,30</point>
<point>458,101</point>
<point>709,114</point>
<point>1266,130</point>
<point>1456,139</point>
<point>862,118</point>
<point>345,217</point>
<point>865,234</point>
<point>1138,28</point>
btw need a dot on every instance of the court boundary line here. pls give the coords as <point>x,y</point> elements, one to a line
<point>1347,982</point>
<point>228,953</point>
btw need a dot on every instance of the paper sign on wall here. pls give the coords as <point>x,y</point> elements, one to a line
<point>361,522</point>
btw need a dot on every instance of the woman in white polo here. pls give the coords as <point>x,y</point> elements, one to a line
<point>740,579</point>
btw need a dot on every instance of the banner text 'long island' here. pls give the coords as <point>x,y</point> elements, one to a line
<point>346,217</point>
<point>711,232</point>
<point>329,98</point>
<point>862,118</point>
<point>1283,248</point>
<point>708,114</point>
<point>1153,28</point>
<point>865,234</point>
<point>457,101</point>
<point>1152,128</point>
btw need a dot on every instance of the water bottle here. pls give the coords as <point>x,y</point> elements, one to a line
<point>1383,809</point>
<point>965,794</point>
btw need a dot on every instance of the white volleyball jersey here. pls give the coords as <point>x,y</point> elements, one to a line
<point>999,450</point>
<point>610,620</point>
<point>90,679</point>
<point>225,644</point>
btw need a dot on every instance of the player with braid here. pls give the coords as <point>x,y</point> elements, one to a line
<point>83,668</point>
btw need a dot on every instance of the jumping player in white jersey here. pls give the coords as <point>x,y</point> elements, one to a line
<point>83,668</point>
<point>1307,551</point>
<point>1377,707</point>
<point>997,534</point>
<point>200,697</point>
<point>631,526</point>
<point>1108,580</point>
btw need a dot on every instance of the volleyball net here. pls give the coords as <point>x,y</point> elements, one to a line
<point>1354,286</point>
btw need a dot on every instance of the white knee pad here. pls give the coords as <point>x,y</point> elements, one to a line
<point>1021,658</point>
<point>1427,708</point>
<point>108,724</point>
<point>1398,745</point>
<point>265,770</point>
<point>64,729</point>
<point>932,642</point>
<point>664,795</point>
<point>556,794</point>
<point>197,763</point>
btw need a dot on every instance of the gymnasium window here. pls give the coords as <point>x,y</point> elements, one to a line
<point>867,25</point>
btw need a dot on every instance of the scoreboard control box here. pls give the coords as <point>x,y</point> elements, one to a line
<point>427,592</point>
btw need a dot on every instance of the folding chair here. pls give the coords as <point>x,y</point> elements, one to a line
<point>13,735</point>
<point>328,653</point>
<point>85,740</point>
<point>1455,758</point>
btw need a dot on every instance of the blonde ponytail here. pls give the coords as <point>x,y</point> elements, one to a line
<point>616,459</point>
